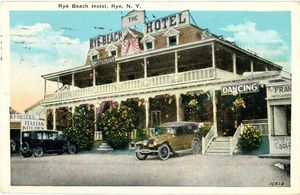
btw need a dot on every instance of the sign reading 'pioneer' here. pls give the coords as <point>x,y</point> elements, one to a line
<point>239,88</point>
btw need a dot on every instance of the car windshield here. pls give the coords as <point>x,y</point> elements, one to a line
<point>162,130</point>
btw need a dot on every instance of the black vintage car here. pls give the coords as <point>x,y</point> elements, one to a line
<point>38,142</point>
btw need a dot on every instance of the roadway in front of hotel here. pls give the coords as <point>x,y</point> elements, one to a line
<point>124,169</point>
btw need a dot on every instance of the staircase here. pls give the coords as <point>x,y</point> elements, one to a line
<point>219,146</point>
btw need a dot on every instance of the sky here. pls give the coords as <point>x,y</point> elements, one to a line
<point>48,41</point>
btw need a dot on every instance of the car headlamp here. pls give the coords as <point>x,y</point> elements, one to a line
<point>145,142</point>
<point>155,142</point>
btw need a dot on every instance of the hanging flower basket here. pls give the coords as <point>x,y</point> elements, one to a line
<point>239,102</point>
<point>193,103</point>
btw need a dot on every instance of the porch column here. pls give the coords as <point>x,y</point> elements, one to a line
<point>58,83</point>
<point>54,118</point>
<point>145,67</point>
<point>177,96</point>
<point>252,66</point>
<point>214,111</point>
<point>234,63</point>
<point>213,55</point>
<point>147,111</point>
<point>118,72</point>
<point>94,77</point>
<point>176,62</point>
<point>95,120</point>
<point>45,87</point>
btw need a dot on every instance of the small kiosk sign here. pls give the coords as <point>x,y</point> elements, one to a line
<point>32,124</point>
<point>239,88</point>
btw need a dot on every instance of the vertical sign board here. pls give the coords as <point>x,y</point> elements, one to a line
<point>133,18</point>
<point>32,124</point>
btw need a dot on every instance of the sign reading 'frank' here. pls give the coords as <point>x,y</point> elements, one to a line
<point>239,88</point>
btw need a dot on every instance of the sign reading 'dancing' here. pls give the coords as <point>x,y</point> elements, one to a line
<point>133,18</point>
<point>239,88</point>
<point>175,20</point>
<point>103,61</point>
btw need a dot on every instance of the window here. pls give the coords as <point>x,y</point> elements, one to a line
<point>113,53</point>
<point>172,40</point>
<point>26,134</point>
<point>282,120</point>
<point>94,57</point>
<point>39,135</point>
<point>149,45</point>
<point>45,135</point>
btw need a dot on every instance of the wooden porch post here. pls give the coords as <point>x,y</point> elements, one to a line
<point>147,111</point>
<point>177,96</point>
<point>214,111</point>
<point>54,118</point>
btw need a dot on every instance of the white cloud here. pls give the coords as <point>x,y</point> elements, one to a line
<point>267,43</point>
<point>49,51</point>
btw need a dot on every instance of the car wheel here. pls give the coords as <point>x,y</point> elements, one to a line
<point>196,147</point>
<point>139,155</point>
<point>71,149</point>
<point>38,151</point>
<point>164,152</point>
<point>26,154</point>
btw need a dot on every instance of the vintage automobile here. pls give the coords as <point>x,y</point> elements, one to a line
<point>170,138</point>
<point>38,142</point>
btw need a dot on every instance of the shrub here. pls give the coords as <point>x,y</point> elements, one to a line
<point>80,128</point>
<point>250,138</point>
<point>116,125</point>
<point>141,134</point>
<point>203,130</point>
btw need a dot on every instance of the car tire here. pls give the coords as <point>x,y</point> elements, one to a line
<point>26,155</point>
<point>164,152</point>
<point>38,151</point>
<point>196,147</point>
<point>139,155</point>
<point>71,149</point>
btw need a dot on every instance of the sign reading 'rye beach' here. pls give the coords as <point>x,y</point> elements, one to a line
<point>239,88</point>
<point>138,17</point>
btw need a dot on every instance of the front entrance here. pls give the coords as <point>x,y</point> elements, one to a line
<point>232,110</point>
<point>155,118</point>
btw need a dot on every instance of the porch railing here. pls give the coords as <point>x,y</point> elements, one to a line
<point>235,138</point>
<point>98,135</point>
<point>208,139</point>
<point>133,85</point>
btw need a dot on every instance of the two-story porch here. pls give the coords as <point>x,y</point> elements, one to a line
<point>160,77</point>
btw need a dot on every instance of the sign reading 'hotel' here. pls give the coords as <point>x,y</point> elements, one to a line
<point>239,88</point>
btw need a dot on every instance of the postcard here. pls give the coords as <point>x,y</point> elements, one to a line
<point>150,97</point>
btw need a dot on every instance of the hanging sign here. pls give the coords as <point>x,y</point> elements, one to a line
<point>133,18</point>
<point>175,20</point>
<point>31,124</point>
<point>239,88</point>
<point>103,61</point>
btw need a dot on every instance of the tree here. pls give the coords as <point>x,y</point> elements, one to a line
<point>116,125</point>
<point>80,128</point>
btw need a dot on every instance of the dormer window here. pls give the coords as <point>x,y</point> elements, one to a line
<point>148,42</point>
<point>149,45</point>
<point>113,53</point>
<point>172,36</point>
<point>94,57</point>
<point>112,50</point>
<point>172,40</point>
